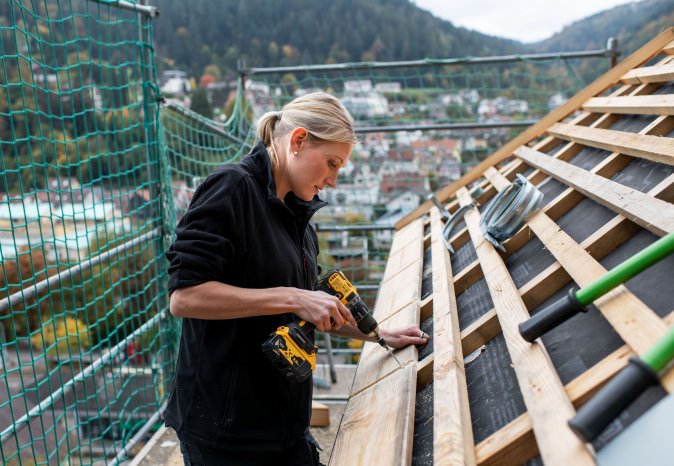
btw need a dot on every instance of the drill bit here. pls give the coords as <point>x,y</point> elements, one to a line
<point>381,341</point>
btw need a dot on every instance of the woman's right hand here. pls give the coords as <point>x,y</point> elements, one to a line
<point>325,311</point>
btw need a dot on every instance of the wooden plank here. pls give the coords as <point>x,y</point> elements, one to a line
<point>655,148</point>
<point>375,362</point>
<point>650,74</point>
<point>403,258</point>
<point>512,444</point>
<point>542,391</point>
<point>377,424</point>
<point>637,105</point>
<point>320,415</point>
<point>516,441</point>
<point>598,86</point>
<point>669,48</point>
<point>653,214</point>
<point>401,290</point>
<point>425,372</point>
<point>480,332</point>
<point>452,432</point>
<point>467,277</point>
<point>404,236</point>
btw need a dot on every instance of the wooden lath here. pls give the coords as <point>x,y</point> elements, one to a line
<point>542,429</point>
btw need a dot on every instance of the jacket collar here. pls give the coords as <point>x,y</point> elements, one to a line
<point>260,165</point>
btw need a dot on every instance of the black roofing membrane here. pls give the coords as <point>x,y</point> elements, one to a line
<point>589,157</point>
<point>422,442</point>
<point>493,392</point>
<point>631,123</point>
<point>584,219</point>
<point>643,175</point>
<point>551,188</point>
<point>666,89</point>
<point>655,285</point>
<point>528,261</point>
<point>462,257</point>
<point>473,303</point>
<point>426,290</point>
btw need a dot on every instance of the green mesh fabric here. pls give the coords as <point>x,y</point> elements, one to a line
<point>87,353</point>
<point>94,175</point>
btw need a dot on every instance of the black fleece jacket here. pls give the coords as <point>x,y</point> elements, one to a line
<point>226,394</point>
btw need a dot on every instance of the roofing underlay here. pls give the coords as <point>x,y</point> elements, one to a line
<point>605,163</point>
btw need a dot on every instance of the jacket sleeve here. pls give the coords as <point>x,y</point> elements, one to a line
<point>207,237</point>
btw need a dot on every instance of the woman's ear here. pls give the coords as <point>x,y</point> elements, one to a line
<point>297,138</point>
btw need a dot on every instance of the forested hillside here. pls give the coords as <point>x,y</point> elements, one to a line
<point>632,24</point>
<point>191,35</point>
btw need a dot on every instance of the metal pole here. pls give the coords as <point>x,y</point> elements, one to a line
<point>612,50</point>
<point>320,227</point>
<point>444,126</point>
<point>202,121</point>
<point>50,282</point>
<point>151,11</point>
<point>139,435</point>
<point>428,62</point>
<point>68,386</point>
<point>331,362</point>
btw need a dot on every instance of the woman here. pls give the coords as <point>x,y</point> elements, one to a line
<point>244,262</point>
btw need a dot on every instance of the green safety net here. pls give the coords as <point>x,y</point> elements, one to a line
<point>87,350</point>
<point>94,177</point>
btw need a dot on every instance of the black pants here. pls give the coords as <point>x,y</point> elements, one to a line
<point>303,453</point>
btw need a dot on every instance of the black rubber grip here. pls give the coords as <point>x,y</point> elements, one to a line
<point>612,399</point>
<point>550,317</point>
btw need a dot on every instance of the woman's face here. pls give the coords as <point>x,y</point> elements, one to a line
<point>315,166</point>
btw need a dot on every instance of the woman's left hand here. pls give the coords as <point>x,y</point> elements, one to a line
<point>404,336</point>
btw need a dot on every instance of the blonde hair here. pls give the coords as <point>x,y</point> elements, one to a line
<point>321,114</point>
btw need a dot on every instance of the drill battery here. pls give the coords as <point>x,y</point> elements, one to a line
<point>291,352</point>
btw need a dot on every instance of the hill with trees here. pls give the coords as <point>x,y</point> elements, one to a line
<point>192,35</point>
<point>201,33</point>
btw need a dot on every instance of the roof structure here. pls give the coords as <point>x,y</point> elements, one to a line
<point>479,393</point>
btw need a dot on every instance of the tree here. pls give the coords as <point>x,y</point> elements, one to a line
<point>28,268</point>
<point>201,104</point>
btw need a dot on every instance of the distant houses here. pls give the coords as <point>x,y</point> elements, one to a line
<point>66,218</point>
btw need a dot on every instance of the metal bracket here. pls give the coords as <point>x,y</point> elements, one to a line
<point>450,220</point>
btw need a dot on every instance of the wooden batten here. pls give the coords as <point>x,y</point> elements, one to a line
<point>452,435</point>
<point>654,148</point>
<point>559,153</point>
<point>652,214</point>
<point>637,105</point>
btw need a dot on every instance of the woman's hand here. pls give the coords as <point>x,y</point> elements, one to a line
<point>404,336</point>
<point>325,311</point>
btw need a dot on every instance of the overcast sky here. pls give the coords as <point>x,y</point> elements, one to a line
<point>523,20</point>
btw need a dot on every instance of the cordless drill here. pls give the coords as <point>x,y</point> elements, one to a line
<point>290,349</point>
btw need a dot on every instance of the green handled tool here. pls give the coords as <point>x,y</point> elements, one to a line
<point>623,389</point>
<point>577,299</point>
